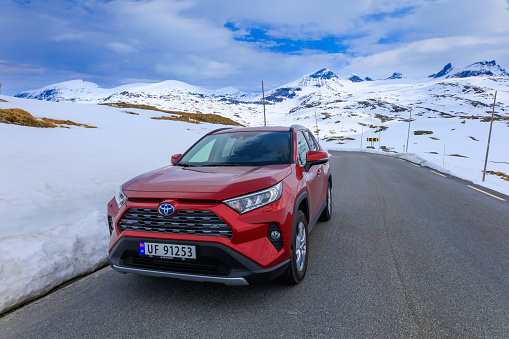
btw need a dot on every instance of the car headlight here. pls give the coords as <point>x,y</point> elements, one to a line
<point>255,200</point>
<point>120,198</point>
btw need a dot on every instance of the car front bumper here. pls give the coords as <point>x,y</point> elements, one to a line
<point>215,263</point>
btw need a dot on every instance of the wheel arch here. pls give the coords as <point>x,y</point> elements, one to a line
<point>302,204</point>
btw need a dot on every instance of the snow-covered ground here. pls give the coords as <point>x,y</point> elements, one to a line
<point>55,183</point>
<point>456,146</point>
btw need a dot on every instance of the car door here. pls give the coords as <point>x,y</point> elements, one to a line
<point>313,177</point>
<point>320,169</point>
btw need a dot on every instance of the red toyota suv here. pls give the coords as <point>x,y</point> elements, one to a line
<point>236,208</point>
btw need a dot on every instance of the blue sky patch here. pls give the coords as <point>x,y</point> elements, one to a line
<point>400,13</point>
<point>259,36</point>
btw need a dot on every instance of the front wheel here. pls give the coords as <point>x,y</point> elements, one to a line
<point>299,259</point>
<point>327,212</point>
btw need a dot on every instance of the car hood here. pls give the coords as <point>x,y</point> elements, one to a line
<point>232,180</point>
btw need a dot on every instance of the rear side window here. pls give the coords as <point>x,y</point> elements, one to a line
<point>302,147</point>
<point>313,144</point>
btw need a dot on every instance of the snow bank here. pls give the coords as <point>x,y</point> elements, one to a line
<point>32,265</point>
<point>55,184</point>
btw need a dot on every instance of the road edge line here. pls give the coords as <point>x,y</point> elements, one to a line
<point>491,195</point>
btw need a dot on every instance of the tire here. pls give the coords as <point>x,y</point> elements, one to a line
<point>300,252</point>
<point>327,212</point>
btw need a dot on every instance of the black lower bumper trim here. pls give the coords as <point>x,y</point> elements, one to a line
<point>183,276</point>
<point>215,263</point>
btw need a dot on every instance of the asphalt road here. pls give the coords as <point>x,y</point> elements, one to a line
<point>408,253</point>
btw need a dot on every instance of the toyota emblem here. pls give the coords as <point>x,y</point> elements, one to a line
<point>166,210</point>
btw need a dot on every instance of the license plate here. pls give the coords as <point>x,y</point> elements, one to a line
<point>168,250</point>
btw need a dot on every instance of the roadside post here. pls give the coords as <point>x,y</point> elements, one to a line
<point>362,134</point>
<point>408,135</point>
<point>264,117</point>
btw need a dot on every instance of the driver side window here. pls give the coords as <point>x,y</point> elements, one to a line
<point>302,148</point>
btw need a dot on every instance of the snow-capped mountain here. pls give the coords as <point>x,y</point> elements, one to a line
<point>64,91</point>
<point>83,91</point>
<point>321,80</point>
<point>356,78</point>
<point>447,69</point>
<point>395,75</point>
<point>482,68</point>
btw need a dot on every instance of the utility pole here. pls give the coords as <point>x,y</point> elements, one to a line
<point>408,135</point>
<point>264,117</point>
<point>362,134</point>
<point>0,88</point>
<point>489,137</point>
<point>317,132</point>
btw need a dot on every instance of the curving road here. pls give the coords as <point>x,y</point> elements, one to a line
<point>408,253</point>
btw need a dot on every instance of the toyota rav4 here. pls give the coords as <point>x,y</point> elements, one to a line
<point>236,208</point>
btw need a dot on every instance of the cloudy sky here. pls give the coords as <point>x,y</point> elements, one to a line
<point>239,43</point>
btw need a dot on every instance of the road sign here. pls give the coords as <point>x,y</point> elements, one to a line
<point>373,139</point>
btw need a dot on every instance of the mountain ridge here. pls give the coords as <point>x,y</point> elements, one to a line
<point>322,90</point>
<point>477,69</point>
<point>320,80</point>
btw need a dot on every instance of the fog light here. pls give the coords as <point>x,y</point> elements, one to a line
<point>275,235</point>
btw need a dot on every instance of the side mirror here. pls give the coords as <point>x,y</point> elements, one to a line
<point>315,158</point>
<point>175,158</point>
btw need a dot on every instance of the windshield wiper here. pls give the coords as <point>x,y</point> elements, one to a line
<point>185,165</point>
<point>224,164</point>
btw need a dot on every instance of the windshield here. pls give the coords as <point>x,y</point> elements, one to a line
<point>240,149</point>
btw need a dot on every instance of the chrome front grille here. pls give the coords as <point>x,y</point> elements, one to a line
<point>184,222</point>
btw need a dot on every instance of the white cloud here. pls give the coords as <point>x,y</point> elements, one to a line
<point>195,67</point>
<point>187,40</point>
<point>301,19</point>
<point>161,25</point>
<point>17,69</point>
<point>121,48</point>
<point>421,58</point>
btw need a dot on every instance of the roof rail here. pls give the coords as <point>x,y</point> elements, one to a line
<point>292,127</point>
<point>219,129</point>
